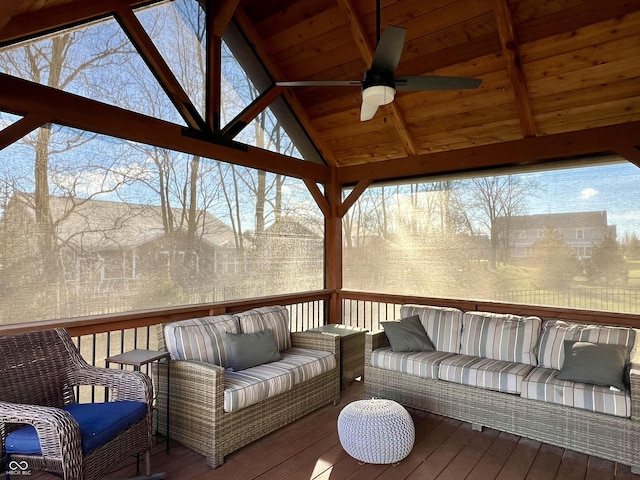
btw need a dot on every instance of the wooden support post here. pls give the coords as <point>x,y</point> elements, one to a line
<point>333,248</point>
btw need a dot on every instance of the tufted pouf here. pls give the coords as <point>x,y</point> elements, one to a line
<point>376,431</point>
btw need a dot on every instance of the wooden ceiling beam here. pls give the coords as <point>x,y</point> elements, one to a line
<point>514,153</point>
<point>511,52</point>
<point>359,36</point>
<point>21,97</point>
<point>7,11</point>
<point>255,41</point>
<point>153,58</point>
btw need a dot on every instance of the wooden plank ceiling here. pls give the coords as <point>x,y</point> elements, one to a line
<point>547,67</point>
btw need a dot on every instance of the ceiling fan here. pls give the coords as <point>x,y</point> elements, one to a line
<point>379,85</point>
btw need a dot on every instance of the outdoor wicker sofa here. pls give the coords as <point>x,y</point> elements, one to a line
<point>205,393</point>
<point>463,376</point>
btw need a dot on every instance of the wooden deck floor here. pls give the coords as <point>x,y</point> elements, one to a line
<point>445,449</point>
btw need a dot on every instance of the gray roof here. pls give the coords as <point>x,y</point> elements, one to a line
<point>597,219</point>
<point>100,225</point>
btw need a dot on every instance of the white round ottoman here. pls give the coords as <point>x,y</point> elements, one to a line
<point>376,431</point>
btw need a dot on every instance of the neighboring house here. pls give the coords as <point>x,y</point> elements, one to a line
<point>106,242</point>
<point>580,231</point>
<point>294,240</point>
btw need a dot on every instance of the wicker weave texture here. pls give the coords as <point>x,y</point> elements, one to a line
<point>376,431</point>
<point>606,436</point>
<point>38,373</point>
<point>196,400</point>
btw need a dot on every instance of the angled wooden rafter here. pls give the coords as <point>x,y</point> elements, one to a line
<point>318,196</point>
<point>342,207</point>
<point>630,153</point>
<point>353,196</point>
<point>153,58</point>
<point>360,38</point>
<point>22,127</point>
<point>48,20</point>
<point>256,42</point>
<point>251,111</point>
<point>511,54</point>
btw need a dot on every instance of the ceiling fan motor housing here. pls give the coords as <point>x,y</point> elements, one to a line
<point>378,87</point>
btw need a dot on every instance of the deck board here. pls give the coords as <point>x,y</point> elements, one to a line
<point>445,449</point>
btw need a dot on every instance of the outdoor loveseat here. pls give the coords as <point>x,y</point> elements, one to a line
<point>235,378</point>
<point>522,375</point>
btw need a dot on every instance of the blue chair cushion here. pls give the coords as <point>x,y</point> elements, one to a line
<point>99,423</point>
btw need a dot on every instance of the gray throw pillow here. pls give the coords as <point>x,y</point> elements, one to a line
<point>594,363</point>
<point>407,335</point>
<point>246,350</point>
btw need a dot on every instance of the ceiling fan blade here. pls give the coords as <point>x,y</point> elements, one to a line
<point>321,83</point>
<point>430,82</point>
<point>389,49</point>
<point>367,111</point>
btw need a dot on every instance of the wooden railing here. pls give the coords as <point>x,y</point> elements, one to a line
<point>99,337</point>
<point>366,310</point>
<point>102,336</point>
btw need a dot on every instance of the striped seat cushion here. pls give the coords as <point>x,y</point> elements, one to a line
<point>275,318</point>
<point>305,363</point>
<point>200,339</point>
<point>418,364</point>
<point>542,384</point>
<point>443,325</point>
<point>486,373</point>
<point>510,338</point>
<point>555,332</point>
<point>254,384</point>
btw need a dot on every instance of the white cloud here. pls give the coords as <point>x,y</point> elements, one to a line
<point>587,193</point>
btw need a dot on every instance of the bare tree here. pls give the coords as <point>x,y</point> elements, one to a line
<point>68,61</point>
<point>498,197</point>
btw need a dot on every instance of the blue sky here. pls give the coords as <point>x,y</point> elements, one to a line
<point>613,187</point>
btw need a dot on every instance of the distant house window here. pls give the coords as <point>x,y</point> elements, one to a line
<point>579,234</point>
<point>540,233</point>
<point>162,258</point>
<point>522,235</point>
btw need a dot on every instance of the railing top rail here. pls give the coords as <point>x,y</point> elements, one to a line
<point>565,313</point>
<point>120,321</point>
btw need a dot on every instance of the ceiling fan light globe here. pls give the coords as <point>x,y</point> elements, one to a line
<point>378,95</point>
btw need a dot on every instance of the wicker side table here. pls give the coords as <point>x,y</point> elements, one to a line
<point>351,351</point>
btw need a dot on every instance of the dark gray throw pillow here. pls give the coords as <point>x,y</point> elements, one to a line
<point>407,335</point>
<point>246,350</point>
<point>594,363</point>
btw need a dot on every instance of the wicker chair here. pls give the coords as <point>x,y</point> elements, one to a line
<point>38,373</point>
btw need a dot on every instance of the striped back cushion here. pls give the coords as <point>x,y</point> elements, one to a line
<point>555,332</point>
<point>509,338</point>
<point>442,324</point>
<point>275,318</point>
<point>200,339</point>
